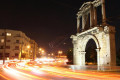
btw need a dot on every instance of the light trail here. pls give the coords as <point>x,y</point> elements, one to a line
<point>4,77</point>
<point>13,71</point>
<point>56,73</point>
<point>49,73</point>
<point>68,74</point>
<point>78,75</point>
<point>60,72</point>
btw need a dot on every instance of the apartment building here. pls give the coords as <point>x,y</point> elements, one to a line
<point>16,45</point>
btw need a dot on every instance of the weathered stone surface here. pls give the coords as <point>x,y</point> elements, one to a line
<point>103,35</point>
<point>105,43</point>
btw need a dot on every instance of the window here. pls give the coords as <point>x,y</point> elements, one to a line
<point>17,35</point>
<point>17,41</point>
<point>3,34</point>
<point>1,55</point>
<point>7,47</point>
<point>6,54</point>
<point>8,40</point>
<point>16,47</point>
<point>1,47</point>
<point>2,41</point>
<point>16,54</point>
<point>8,34</point>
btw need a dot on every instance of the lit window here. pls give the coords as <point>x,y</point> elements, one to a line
<point>2,40</point>
<point>3,34</point>
<point>8,34</point>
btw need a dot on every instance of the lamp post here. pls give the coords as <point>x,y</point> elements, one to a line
<point>42,52</point>
<point>59,53</point>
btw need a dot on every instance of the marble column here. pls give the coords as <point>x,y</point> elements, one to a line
<point>91,16</point>
<point>83,22</point>
<point>80,58</point>
<point>78,24</point>
<point>98,56</point>
<point>74,51</point>
<point>95,16</point>
<point>103,12</point>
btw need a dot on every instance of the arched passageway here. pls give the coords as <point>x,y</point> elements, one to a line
<point>91,54</point>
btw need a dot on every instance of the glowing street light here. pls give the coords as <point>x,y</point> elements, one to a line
<point>43,51</point>
<point>59,53</point>
<point>28,46</point>
<point>40,49</point>
<point>52,54</point>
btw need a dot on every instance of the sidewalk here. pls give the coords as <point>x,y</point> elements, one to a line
<point>95,68</point>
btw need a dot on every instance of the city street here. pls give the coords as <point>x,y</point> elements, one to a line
<point>19,71</point>
<point>59,40</point>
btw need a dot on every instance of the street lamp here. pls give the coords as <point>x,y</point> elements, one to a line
<point>52,54</point>
<point>40,49</point>
<point>59,53</point>
<point>43,51</point>
<point>28,46</point>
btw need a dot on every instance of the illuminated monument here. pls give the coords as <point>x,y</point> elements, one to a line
<point>103,35</point>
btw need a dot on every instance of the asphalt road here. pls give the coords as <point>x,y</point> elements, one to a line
<point>47,72</point>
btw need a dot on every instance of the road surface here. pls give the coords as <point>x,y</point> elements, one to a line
<point>47,72</point>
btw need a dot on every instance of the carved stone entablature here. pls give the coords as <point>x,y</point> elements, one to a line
<point>86,7</point>
<point>87,15</point>
<point>92,31</point>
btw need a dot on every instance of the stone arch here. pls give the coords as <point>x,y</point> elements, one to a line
<point>87,38</point>
<point>103,35</point>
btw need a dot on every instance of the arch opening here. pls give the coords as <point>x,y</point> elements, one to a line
<point>91,53</point>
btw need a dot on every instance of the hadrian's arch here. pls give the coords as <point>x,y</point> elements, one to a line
<point>91,49</point>
<point>103,35</point>
<point>87,38</point>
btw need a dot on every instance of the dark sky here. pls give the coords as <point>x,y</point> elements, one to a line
<point>47,21</point>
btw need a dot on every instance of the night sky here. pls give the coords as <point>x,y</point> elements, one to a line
<point>49,22</point>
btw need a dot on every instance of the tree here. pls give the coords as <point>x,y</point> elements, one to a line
<point>69,54</point>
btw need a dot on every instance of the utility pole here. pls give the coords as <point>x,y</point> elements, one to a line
<point>4,50</point>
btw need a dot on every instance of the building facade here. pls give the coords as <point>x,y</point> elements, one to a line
<point>15,44</point>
